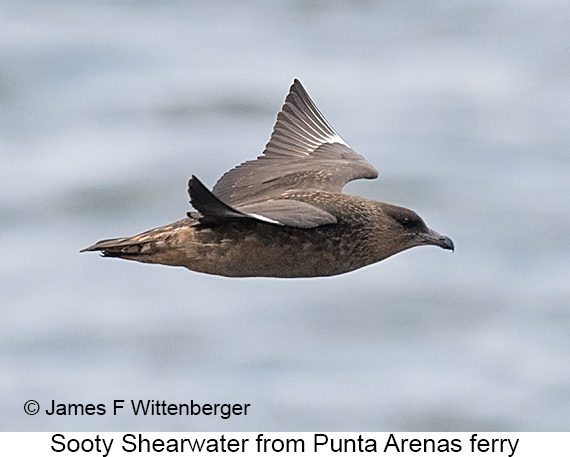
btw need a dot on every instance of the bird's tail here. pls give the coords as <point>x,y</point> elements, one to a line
<point>154,246</point>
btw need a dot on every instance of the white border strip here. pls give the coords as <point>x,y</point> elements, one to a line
<point>15,444</point>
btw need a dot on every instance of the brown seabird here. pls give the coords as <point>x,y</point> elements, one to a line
<point>284,213</point>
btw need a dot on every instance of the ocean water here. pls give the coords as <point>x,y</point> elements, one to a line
<point>107,108</point>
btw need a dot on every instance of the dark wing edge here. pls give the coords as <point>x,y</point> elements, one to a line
<point>302,144</point>
<point>290,213</point>
<point>208,204</point>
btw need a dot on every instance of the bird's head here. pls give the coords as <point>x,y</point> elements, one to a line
<point>401,228</point>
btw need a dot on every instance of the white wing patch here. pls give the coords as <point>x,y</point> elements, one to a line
<point>336,139</point>
<point>307,124</point>
<point>264,219</point>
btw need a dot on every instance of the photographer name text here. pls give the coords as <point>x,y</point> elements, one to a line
<point>148,408</point>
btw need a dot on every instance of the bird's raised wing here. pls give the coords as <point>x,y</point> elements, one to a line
<point>304,153</point>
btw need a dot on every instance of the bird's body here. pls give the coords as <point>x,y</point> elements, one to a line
<point>284,214</point>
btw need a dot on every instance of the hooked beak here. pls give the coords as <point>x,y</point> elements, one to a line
<point>432,237</point>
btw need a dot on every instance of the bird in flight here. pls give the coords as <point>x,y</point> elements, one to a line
<point>284,213</point>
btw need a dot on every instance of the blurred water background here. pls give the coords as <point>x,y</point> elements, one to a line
<point>108,107</point>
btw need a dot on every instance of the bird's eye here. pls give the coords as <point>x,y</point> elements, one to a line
<point>409,222</point>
